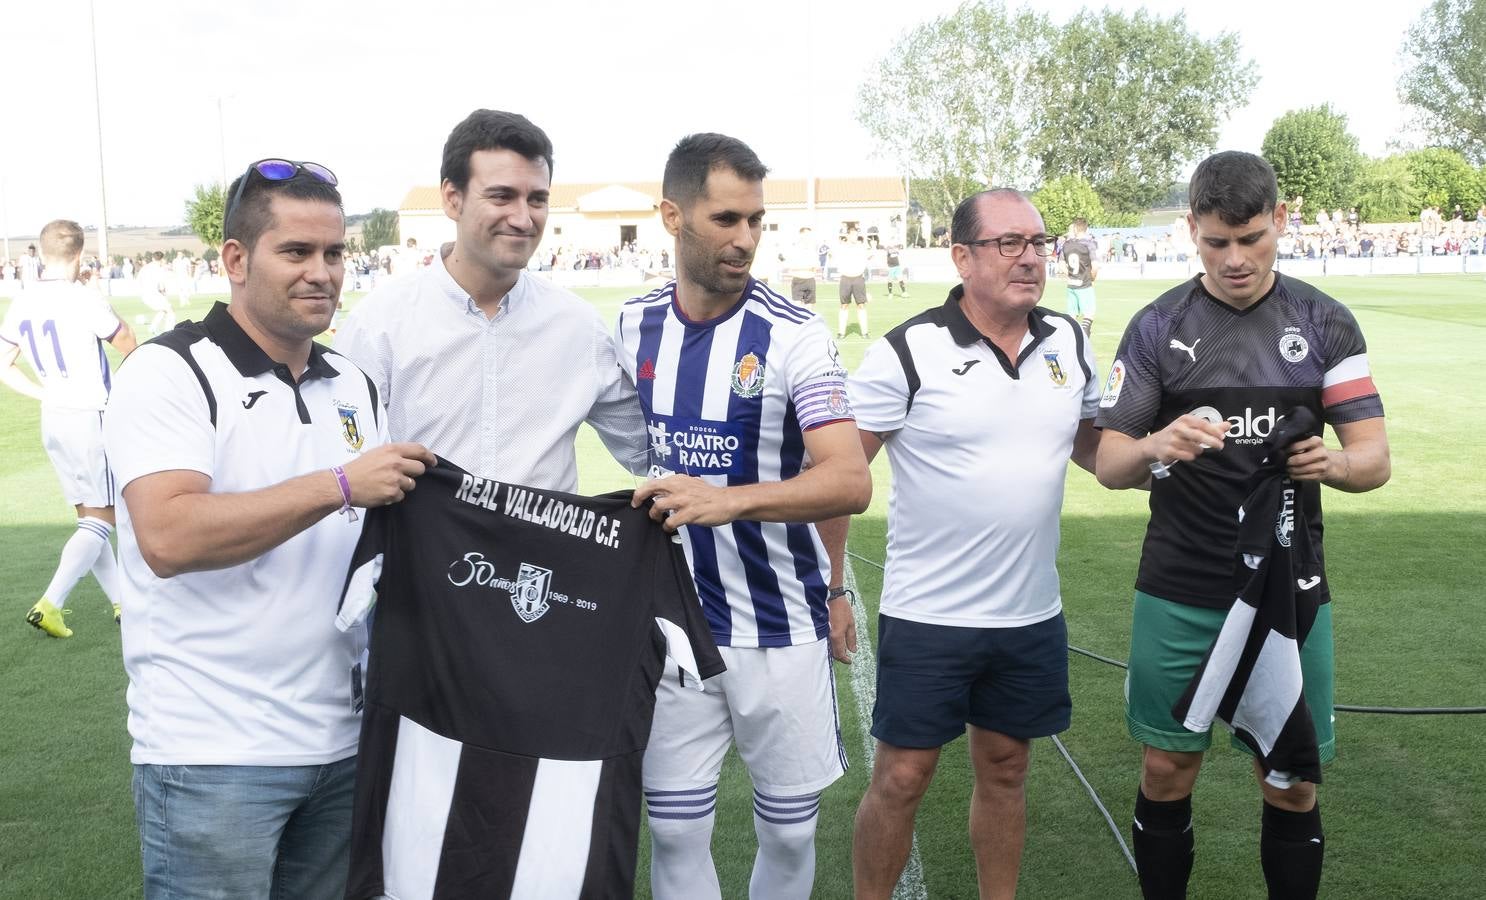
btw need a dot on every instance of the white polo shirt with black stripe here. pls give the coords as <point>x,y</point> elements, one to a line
<point>979,447</point>
<point>242,665</point>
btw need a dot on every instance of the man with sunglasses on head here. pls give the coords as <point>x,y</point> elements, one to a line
<point>980,404</point>
<point>491,366</point>
<point>235,441</point>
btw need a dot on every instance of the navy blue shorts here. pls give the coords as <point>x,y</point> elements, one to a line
<point>934,679</point>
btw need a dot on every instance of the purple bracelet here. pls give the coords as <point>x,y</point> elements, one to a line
<point>345,485</point>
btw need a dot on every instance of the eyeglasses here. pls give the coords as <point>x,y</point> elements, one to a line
<point>1013,244</point>
<point>277,170</point>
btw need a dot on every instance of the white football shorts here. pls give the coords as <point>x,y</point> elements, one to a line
<point>777,703</point>
<point>155,300</point>
<point>73,439</point>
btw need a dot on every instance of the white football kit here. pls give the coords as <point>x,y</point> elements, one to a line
<point>60,327</point>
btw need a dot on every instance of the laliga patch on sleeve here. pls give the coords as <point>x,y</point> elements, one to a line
<point>1113,385</point>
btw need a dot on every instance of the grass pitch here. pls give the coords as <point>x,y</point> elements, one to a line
<point>1403,802</point>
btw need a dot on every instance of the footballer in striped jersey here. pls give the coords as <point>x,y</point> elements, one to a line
<point>740,388</point>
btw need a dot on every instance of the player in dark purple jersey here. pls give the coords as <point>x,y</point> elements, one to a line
<point>1201,377</point>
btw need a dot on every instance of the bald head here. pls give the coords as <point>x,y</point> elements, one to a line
<point>973,212</point>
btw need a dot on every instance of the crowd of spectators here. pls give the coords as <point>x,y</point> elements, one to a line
<point>1172,245</point>
<point>1344,234</point>
<point>181,267</point>
<point>621,256</point>
<point>1328,234</point>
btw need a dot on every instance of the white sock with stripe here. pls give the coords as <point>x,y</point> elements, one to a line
<point>106,570</point>
<point>785,865</point>
<point>681,866</point>
<point>78,556</point>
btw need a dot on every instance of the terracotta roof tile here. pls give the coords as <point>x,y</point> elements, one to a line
<point>422,197</point>
<point>777,192</point>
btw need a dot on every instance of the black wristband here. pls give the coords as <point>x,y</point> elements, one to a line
<point>835,592</point>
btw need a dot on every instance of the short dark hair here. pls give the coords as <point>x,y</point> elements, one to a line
<point>696,155</point>
<point>61,239</point>
<point>253,214</point>
<point>1236,185</point>
<point>491,129</point>
<point>964,227</point>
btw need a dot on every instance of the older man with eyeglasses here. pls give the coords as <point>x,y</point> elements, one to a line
<point>980,403</point>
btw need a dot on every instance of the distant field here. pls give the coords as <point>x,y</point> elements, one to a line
<point>135,241</point>
<point>1404,802</point>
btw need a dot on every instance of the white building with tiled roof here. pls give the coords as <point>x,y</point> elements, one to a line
<point>598,216</point>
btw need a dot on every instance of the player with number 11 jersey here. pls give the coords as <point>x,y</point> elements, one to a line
<point>60,326</point>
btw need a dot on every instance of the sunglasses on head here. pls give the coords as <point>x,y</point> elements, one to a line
<point>278,170</point>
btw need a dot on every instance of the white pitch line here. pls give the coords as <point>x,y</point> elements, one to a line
<point>864,689</point>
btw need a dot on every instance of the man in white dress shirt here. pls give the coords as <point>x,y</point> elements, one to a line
<point>481,361</point>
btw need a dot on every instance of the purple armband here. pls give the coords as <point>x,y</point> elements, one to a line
<point>345,485</point>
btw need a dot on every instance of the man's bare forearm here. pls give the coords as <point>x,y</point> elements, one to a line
<point>197,532</point>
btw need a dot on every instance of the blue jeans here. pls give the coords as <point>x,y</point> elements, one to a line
<point>245,832</point>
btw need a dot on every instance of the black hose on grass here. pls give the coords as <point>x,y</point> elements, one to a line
<point>1108,819</point>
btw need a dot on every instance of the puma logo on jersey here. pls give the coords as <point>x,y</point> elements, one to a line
<point>253,398</point>
<point>1190,351</point>
<point>966,367</point>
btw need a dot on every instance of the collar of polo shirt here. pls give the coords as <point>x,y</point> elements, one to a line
<point>965,333</point>
<point>247,357</point>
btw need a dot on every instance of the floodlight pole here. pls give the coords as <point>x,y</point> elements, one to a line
<point>4,219</point>
<point>222,142</point>
<point>809,117</point>
<point>103,257</point>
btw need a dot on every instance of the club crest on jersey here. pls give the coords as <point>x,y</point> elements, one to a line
<point>1294,347</point>
<point>837,403</point>
<point>350,427</point>
<point>529,593</point>
<point>1054,368</point>
<point>748,376</point>
<point>1284,524</point>
<point>1113,385</point>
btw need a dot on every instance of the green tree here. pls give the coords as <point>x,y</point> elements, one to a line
<point>1067,198</point>
<point>1128,100</point>
<point>204,213</point>
<point>1385,191</point>
<point>1443,178</point>
<point>379,229</point>
<point>951,100</point>
<point>1444,77</point>
<point>1314,157</point>
<point>1112,219</point>
<point>940,196</point>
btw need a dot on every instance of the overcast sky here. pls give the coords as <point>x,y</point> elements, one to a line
<point>371,89</point>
